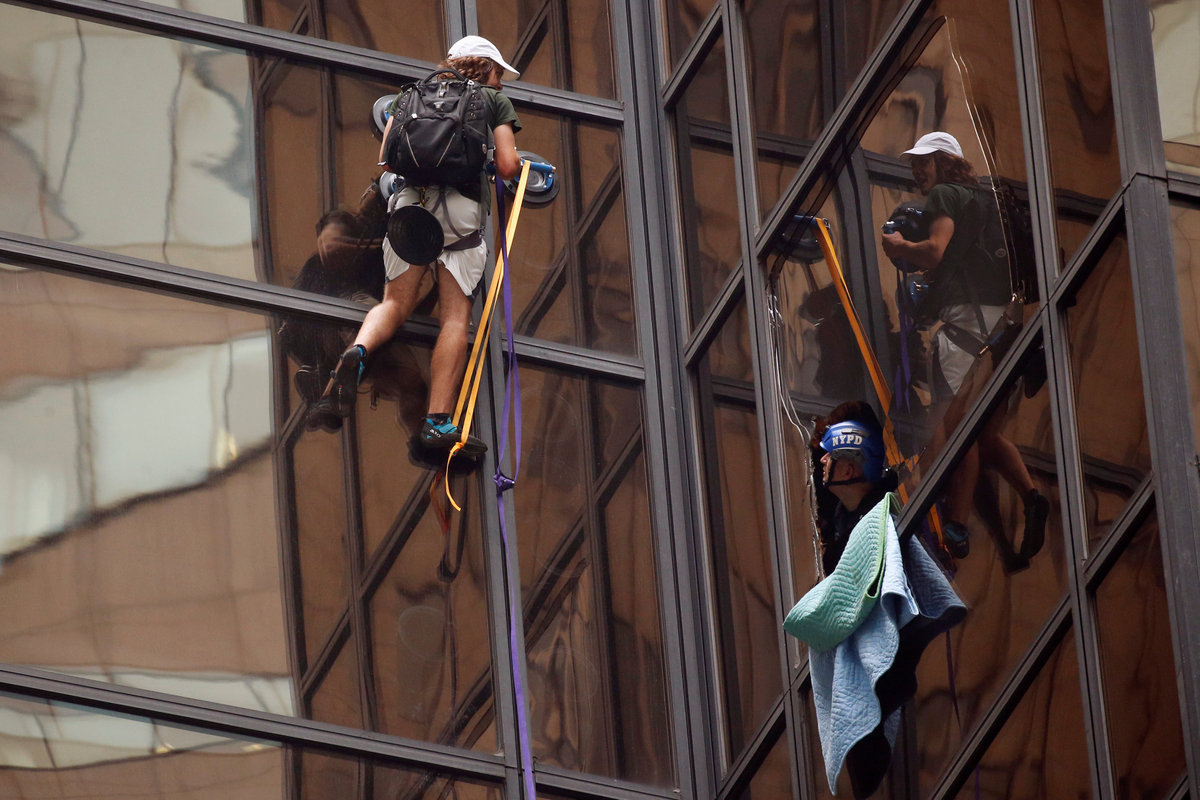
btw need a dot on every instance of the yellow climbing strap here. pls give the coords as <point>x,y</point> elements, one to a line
<point>868,353</point>
<point>464,410</point>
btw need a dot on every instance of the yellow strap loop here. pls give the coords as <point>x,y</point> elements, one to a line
<point>464,409</point>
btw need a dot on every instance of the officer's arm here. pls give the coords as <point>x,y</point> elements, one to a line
<point>926,254</point>
<point>508,163</point>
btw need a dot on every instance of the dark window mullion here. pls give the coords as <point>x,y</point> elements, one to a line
<point>1060,387</point>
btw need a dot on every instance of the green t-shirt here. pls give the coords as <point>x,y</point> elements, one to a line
<point>500,111</point>
<point>966,274</point>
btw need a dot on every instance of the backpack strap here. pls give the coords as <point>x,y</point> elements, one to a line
<point>442,71</point>
<point>965,340</point>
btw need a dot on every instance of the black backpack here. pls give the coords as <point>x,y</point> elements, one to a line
<point>1016,227</point>
<point>439,134</point>
<point>1001,246</point>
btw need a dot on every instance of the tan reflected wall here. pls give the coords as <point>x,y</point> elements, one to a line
<point>1185,229</point>
<point>139,529</point>
<point>185,583</point>
<point>1174,26</point>
<point>195,775</point>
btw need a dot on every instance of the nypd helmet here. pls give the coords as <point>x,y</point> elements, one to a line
<point>855,441</point>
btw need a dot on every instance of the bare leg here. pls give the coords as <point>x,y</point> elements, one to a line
<point>1005,457</point>
<point>960,494</point>
<point>400,297</point>
<point>450,352</point>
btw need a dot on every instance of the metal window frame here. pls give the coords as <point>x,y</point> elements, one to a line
<point>1161,346</point>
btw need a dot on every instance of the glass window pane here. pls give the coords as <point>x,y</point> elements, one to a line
<point>739,548</point>
<point>1041,752</point>
<point>335,695</point>
<point>1175,28</point>
<point>140,147</point>
<point>571,271</point>
<point>705,151</point>
<point>683,18</point>
<point>1010,575</point>
<point>865,23</point>
<point>430,665</point>
<point>140,530</point>
<point>431,659</point>
<point>57,750</point>
<point>1107,376</point>
<point>316,469</point>
<point>1078,112</point>
<point>783,52</point>
<point>773,778</point>
<point>169,151</point>
<point>597,687</point>
<point>158,565</point>
<point>1140,687</point>
<point>414,29</point>
<point>963,82</point>
<point>564,45</point>
<point>1185,225</point>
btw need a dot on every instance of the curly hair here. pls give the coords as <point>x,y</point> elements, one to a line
<point>952,169</point>
<point>477,68</point>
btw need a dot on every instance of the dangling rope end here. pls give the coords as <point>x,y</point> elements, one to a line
<point>457,446</point>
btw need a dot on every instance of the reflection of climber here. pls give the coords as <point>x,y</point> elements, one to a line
<point>971,285</point>
<point>853,472</point>
<point>348,264</point>
<point>456,272</point>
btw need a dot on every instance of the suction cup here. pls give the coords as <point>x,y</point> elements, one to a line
<point>800,239</point>
<point>389,184</point>
<point>415,235</point>
<point>379,115</point>
<point>543,184</point>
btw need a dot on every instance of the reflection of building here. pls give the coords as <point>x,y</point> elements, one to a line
<point>206,595</point>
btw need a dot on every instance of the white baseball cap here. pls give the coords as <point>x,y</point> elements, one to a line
<point>932,143</point>
<point>479,46</point>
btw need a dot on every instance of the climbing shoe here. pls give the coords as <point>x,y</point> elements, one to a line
<point>957,538</point>
<point>340,392</point>
<point>322,419</point>
<point>1037,510</point>
<point>439,433</point>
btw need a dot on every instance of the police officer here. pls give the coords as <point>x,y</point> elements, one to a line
<point>853,472</point>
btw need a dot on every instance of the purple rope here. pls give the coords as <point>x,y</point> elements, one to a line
<point>512,389</point>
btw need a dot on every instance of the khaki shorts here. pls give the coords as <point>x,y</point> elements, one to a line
<point>459,213</point>
<point>952,359</point>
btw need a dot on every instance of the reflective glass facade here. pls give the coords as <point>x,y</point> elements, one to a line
<point>211,591</point>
